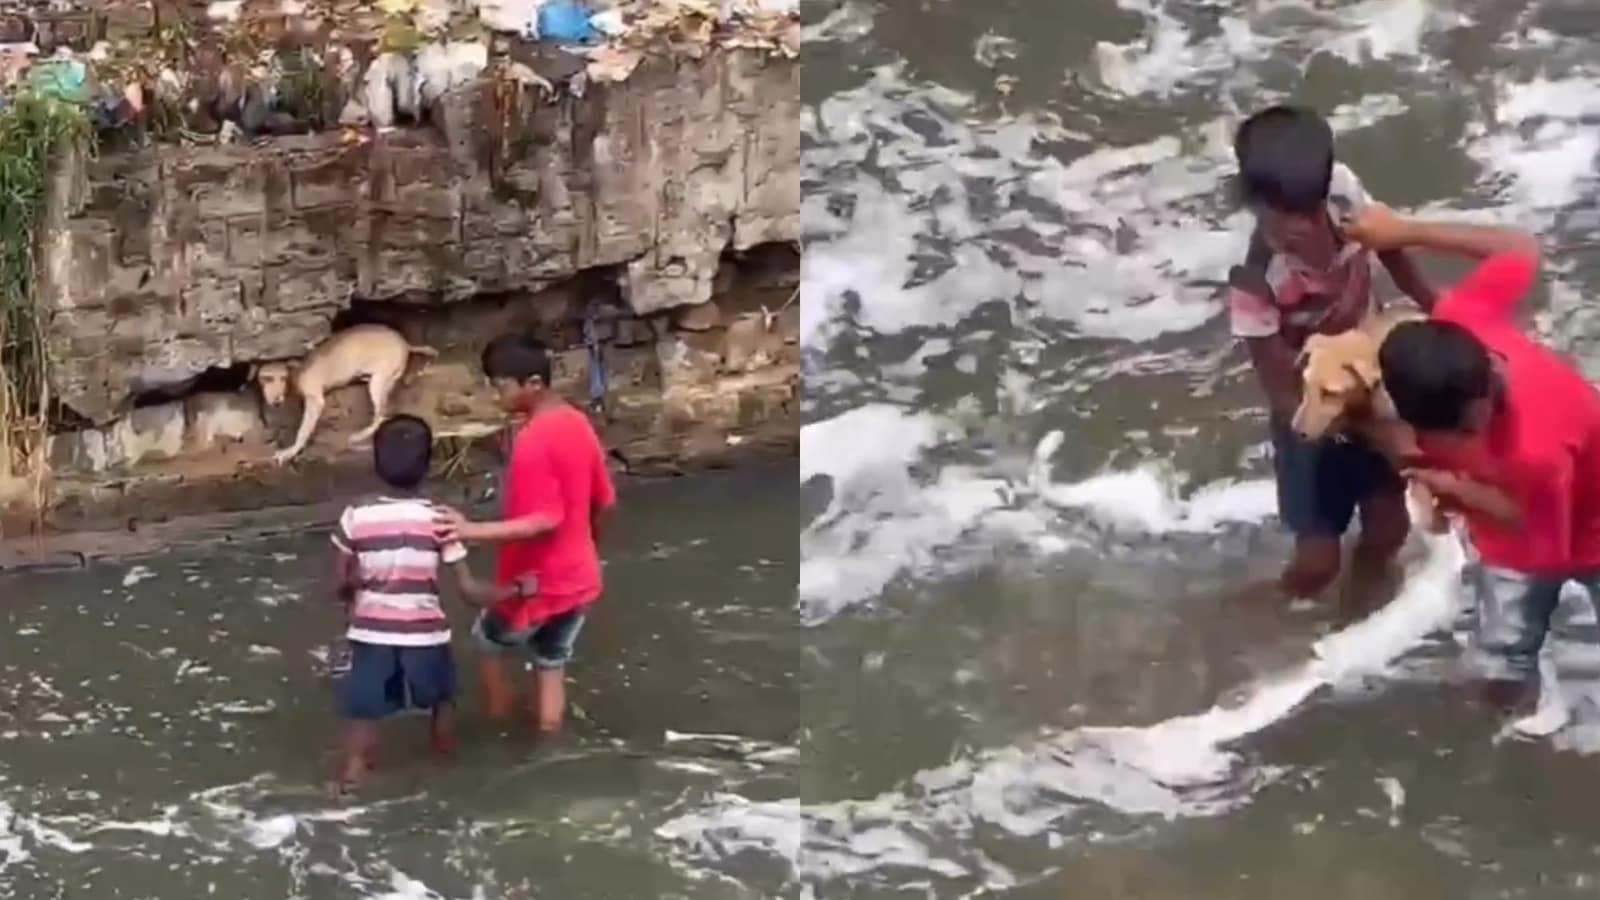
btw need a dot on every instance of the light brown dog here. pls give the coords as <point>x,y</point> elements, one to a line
<point>1342,385</point>
<point>1342,394</point>
<point>375,354</point>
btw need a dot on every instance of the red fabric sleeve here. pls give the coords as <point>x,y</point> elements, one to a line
<point>1491,291</point>
<point>532,488</point>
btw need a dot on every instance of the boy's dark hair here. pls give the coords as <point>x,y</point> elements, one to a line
<point>1433,372</point>
<point>1285,156</point>
<point>517,356</point>
<point>402,451</point>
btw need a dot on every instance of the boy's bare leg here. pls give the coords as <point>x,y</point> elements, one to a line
<point>498,697</point>
<point>1314,566</point>
<point>1385,523</point>
<point>356,747</point>
<point>442,730</point>
<point>549,698</point>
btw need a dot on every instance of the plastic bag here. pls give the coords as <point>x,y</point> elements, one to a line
<point>565,22</point>
<point>62,79</point>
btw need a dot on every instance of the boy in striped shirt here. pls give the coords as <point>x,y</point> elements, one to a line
<point>388,576</point>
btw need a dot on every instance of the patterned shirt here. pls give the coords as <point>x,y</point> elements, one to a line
<point>397,571</point>
<point>1278,293</point>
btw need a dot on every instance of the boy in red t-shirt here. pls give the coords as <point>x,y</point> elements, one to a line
<point>555,492</point>
<point>1510,438</point>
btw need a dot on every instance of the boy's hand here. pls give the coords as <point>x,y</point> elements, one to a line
<point>1432,517</point>
<point>1439,482</point>
<point>1377,227</point>
<point>450,525</point>
<point>1464,493</point>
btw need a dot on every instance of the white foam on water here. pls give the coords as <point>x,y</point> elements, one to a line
<point>136,574</point>
<point>1545,142</point>
<point>404,887</point>
<point>882,522</point>
<point>1389,28</point>
<point>1166,57</point>
<point>1180,767</point>
<point>1118,242</point>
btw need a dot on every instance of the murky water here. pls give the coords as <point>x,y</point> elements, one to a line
<point>165,726</point>
<point>1046,665</point>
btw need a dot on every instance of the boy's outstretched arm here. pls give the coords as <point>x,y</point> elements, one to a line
<point>1408,278</point>
<point>1274,362</point>
<point>450,525</point>
<point>1380,228</point>
<point>475,591</point>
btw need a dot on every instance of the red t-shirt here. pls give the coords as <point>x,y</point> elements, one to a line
<point>558,471</point>
<point>1543,444</point>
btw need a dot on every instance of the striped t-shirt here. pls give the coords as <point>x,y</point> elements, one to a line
<point>397,572</point>
<point>1277,293</point>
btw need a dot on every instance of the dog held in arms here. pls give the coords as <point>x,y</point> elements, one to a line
<point>1342,395</point>
<point>375,354</point>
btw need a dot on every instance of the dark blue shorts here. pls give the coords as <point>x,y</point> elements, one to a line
<point>1320,483</point>
<point>384,679</point>
<point>547,644</point>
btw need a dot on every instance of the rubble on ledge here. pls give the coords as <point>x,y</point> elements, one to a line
<point>231,69</point>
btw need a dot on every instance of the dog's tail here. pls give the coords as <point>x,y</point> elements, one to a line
<point>422,350</point>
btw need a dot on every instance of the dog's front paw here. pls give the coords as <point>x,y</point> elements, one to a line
<point>283,456</point>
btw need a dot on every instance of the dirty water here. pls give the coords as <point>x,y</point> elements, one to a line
<point>165,725</point>
<point>1042,655</point>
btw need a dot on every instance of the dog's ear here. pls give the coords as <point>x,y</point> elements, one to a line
<point>251,372</point>
<point>1366,371</point>
<point>1309,347</point>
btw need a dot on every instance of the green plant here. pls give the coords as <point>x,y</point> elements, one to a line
<point>301,92</point>
<point>34,129</point>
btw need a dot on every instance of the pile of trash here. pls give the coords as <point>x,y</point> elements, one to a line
<point>284,66</point>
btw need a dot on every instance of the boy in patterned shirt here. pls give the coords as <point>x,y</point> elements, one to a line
<point>388,563</point>
<point>1302,276</point>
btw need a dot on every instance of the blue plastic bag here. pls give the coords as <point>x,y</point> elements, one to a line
<point>565,22</point>
<point>62,79</point>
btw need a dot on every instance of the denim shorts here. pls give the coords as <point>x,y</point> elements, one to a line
<point>1320,483</point>
<point>548,644</point>
<point>1513,615</point>
<point>385,679</point>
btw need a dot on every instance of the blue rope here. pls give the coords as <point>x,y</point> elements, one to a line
<point>597,360</point>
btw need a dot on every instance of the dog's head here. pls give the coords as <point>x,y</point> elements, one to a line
<point>1339,374</point>
<point>273,377</point>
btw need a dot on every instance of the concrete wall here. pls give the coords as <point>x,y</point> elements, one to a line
<point>516,208</point>
<point>168,261</point>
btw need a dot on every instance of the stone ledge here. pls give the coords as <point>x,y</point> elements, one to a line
<point>102,540</point>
